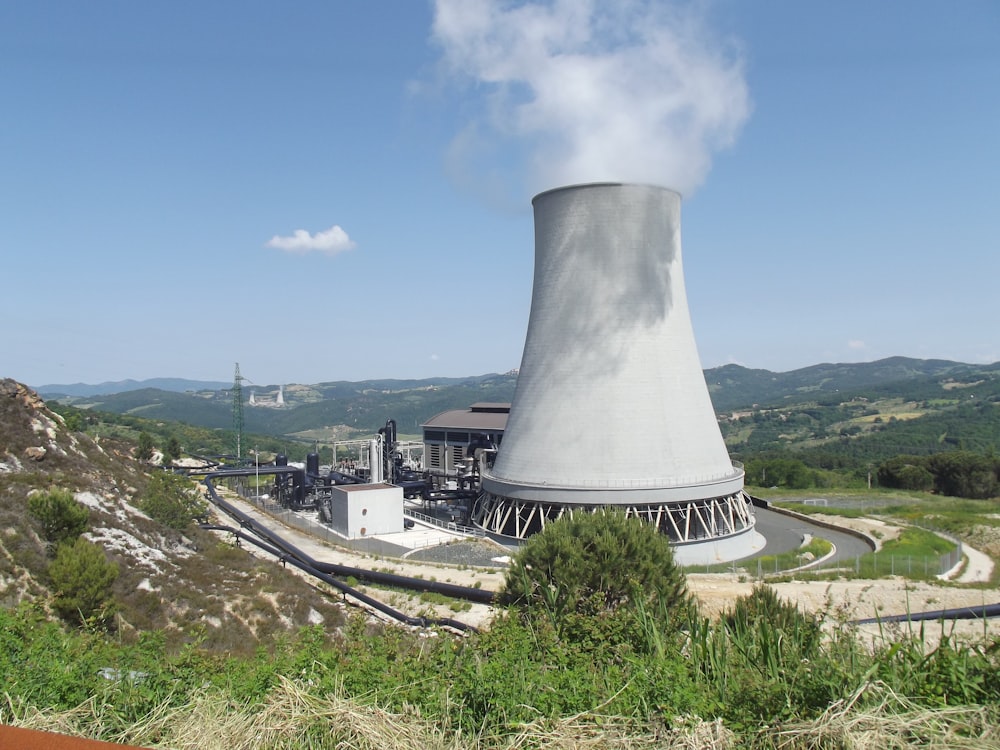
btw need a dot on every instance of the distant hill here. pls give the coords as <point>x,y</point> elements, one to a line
<point>735,387</point>
<point>364,406</point>
<point>83,390</point>
<point>858,416</point>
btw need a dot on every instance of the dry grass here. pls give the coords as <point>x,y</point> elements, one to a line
<point>593,732</point>
<point>894,723</point>
<point>291,717</point>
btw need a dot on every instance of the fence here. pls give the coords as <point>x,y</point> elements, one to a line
<point>448,525</point>
<point>369,545</point>
<point>871,565</point>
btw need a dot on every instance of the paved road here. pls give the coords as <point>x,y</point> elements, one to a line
<point>784,533</point>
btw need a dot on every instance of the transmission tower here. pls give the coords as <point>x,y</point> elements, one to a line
<point>238,412</point>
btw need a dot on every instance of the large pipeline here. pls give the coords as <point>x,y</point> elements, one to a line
<point>290,551</point>
<point>344,588</point>
<point>984,612</point>
<point>372,576</point>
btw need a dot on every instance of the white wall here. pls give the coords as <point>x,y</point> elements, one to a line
<point>366,509</point>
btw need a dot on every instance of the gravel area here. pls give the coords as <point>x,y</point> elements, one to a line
<point>480,553</point>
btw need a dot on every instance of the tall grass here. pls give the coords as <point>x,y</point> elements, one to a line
<point>764,675</point>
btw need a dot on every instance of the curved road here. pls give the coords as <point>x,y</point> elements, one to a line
<point>785,533</point>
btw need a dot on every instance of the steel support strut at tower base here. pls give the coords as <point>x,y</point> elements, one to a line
<point>611,407</point>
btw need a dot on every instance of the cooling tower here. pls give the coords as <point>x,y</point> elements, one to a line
<point>611,406</point>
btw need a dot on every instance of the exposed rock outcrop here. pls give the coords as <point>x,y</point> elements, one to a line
<point>191,585</point>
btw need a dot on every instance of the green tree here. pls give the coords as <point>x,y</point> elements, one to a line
<point>172,450</point>
<point>144,448</point>
<point>172,500</point>
<point>906,473</point>
<point>74,421</point>
<point>598,563</point>
<point>82,578</point>
<point>61,517</point>
<point>965,474</point>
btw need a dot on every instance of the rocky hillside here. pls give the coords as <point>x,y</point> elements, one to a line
<point>193,585</point>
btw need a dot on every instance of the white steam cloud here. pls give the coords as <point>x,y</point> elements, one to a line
<point>631,90</point>
<point>331,241</point>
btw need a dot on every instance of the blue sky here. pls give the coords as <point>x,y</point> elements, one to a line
<point>341,190</point>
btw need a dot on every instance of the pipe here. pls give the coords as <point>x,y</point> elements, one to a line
<point>287,551</point>
<point>340,477</point>
<point>984,611</point>
<point>390,579</point>
<point>340,585</point>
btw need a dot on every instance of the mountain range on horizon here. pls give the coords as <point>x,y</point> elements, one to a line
<point>956,401</point>
<point>882,370</point>
<point>84,390</point>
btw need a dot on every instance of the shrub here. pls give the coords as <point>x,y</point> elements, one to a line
<point>764,604</point>
<point>172,501</point>
<point>172,450</point>
<point>594,563</point>
<point>144,448</point>
<point>81,579</point>
<point>767,660</point>
<point>61,517</point>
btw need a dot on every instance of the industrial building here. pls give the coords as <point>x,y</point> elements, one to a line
<point>451,436</point>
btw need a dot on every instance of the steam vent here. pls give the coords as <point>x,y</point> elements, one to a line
<point>611,406</point>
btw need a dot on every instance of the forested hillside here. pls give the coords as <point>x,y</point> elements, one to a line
<point>838,422</point>
<point>362,407</point>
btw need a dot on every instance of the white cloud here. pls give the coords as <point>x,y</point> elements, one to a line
<point>331,241</point>
<point>635,90</point>
<point>856,344</point>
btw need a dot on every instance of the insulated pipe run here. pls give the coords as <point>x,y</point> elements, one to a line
<point>985,612</point>
<point>340,585</point>
<point>389,579</point>
<point>289,553</point>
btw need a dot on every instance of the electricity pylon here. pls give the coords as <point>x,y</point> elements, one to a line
<point>238,412</point>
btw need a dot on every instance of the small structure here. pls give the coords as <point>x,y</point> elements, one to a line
<point>358,510</point>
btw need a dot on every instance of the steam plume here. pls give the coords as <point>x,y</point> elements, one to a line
<point>631,90</point>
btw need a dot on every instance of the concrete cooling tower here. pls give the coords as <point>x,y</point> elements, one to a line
<point>611,406</point>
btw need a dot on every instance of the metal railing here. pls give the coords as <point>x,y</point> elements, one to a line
<point>447,525</point>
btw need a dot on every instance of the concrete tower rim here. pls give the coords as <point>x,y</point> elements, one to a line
<point>607,184</point>
<point>612,493</point>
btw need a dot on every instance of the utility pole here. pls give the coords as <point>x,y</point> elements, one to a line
<point>238,412</point>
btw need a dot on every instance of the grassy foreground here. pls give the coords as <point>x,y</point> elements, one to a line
<point>598,645</point>
<point>292,717</point>
<point>511,688</point>
<point>762,676</point>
